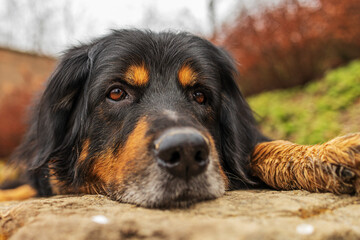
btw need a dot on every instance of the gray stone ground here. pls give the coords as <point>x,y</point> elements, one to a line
<point>248,214</point>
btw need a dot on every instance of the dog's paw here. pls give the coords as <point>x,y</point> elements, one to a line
<point>342,156</point>
<point>330,167</point>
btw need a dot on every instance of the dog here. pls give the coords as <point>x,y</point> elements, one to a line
<point>152,119</point>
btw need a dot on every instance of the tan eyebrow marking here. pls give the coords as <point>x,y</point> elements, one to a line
<point>187,75</point>
<point>137,75</point>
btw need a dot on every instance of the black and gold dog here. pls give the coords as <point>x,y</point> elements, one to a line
<point>157,120</point>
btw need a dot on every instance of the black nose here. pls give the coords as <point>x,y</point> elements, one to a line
<point>183,152</point>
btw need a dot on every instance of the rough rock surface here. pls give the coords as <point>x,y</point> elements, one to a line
<point>250,214</point>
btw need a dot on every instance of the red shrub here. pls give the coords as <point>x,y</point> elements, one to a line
<point>293,43</point>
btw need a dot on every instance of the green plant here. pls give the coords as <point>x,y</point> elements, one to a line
<point>313,113</point>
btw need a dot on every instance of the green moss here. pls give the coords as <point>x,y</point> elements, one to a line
<point>313,113</point>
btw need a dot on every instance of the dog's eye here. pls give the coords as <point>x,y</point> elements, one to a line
<point>199,97</point>
<point>117,94</point>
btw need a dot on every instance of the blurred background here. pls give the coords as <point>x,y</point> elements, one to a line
<point>298,59</point>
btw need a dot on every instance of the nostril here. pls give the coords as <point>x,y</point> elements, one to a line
<point>200,156</point>
<point>169,157</point>
<point>174,158</point>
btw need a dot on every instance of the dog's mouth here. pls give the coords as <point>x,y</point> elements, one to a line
<point>158,189</point>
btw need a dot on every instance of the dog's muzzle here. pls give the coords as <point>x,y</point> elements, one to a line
<point>182,152</point>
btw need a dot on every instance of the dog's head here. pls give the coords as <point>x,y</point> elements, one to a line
<point>151,119</point>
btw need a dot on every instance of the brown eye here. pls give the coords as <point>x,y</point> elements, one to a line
<point>117,94</point>
<point>199,97</point>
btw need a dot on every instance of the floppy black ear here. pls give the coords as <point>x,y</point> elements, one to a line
<point>56,122</point>
<point>238,131</point>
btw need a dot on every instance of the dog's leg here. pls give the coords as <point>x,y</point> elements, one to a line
<point>20,193</point>
<point>330,167</point>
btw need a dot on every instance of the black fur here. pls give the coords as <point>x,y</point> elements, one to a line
<point>73,108</point>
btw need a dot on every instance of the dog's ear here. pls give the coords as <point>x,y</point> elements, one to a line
<point>57,118</point>
<point>238,130</point>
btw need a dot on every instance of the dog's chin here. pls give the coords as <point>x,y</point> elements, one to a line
<point>160,190</point>
<point>182,199</point>
<point>185,200</point>
<point>167,199</point>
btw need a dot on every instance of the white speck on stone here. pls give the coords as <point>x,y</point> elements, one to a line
<point>304,229</point>
<point>100,219</point>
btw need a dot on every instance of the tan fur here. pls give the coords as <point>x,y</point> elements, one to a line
<point>84,151</point>
<point>330,167</point>
<point>217,163</point>
<point>20,193</point>
<point>110,167</point>
<point>186,75</point>
<point>137,75</point>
